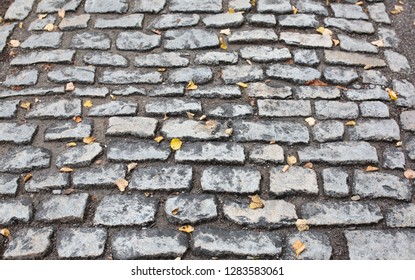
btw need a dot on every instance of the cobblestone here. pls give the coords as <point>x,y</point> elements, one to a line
<point>24,159</point>
<point>306,40</point>
<point>60,109</point>
<point>311,7</point>
<point>15,210</point>
<point>205,6</point>
<point>5,32</point>
<point>83,75</point>
<point>74,22</point>
<point>389,37</point>
<point>17,134</point>
<point>8,184</point>
<point>393,158</point>
<point>193,130</point>
<point>149,6</point>
<point>54,56</point>
<point>265,54</point>
<point>190,39</point>
<point>81,242</point>
<point>68,130</point>
<point>175,21</point>
<point>105,59</point>
<point>376,93</point>
<point>335,182</point>
<point>229,111</point>
<point>231,153</point>
<point>122,151</point>
<point>374,109</point>
<point>91,91</point>
<point>19,10</point>
<point>355,45</point>
<point>114,108</point>
<point>22,78</point>
<point>230,179</point>
<point>336,110</point>
<point>137,41</point>
<point>106,6</point>
<point>317,245</point>
<point>341,76</point>
<point>29,243</point>
<point>223,20</point>
<point>130,21</point>
<point>168,59</point>
<point>356,26</point>
<point>298,20</point>
<point>407,118</point>
<point>410,148</point>
<point>216,58</point>
<point>277,6</point>
<point>39,24</point>
<point>215,92</point>
<point>43,40</point>
<point>122,77</point>
<point>305,92</point>
<point>376,130</point>
<point>245,73</point>
<point>199,75</point>
<point>262,20</point>
<point>284,108</point>
<point>261,90</point>
<point>296,74</point>
<point>348,11</point>
<point>91,41</point>
<point>253,36</point>
<point>267,153</point>
<point>295,180</point>
<point>192,208</point>
<point>402,215</point>
<point>350,59</point>
<point>79,156</point>
<point>396,61</point>
<point>101,176</point>
<point>325,131</point>
<point>378,13</point>
<point>406,92</point>
<point>8,109</point>
<point>373,77</point>
<point>47,181</point>
<point>306,57</point>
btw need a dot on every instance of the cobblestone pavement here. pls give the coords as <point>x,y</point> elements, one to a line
<point>305,117</point>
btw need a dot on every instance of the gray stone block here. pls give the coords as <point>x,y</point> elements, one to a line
<point>23,78</point>
<point>375,130</point>
<point>8,109</point>
<point>211,153</point>
<point>74,22</point>
<point>253,36</point>
<point>203,6</point>
<point>393,158</point>
<point>15,210</point>
<point>356,26</point>
<point>77,74</point>
<point>114,108</point>
<point>81,242</point>
<point>262,90</point>
<point>265,53</point>
<point>47,181</point>
<point>105,59</point>
<point>170,21</point>
<point>199,75</point>
<point>59,109</point>
<point>137,41</point>
<point>68,130</point>
<point>122,77</point>
<point>335,182</point>
<point>29,243</point>
<point>374,109</point>
<point>401,215</point>
<point>167,59</point>
<point>79,156</point>
<point>129,21</point>
<point>284,108</point>
<point>325,131</point>
<point>91,41</point>
<point>24,159</point>
<point>135,126</point>
<point>231,179</point>
<point>306,40</point>
<point>17,134</point>
<point>245,73</point>
<point>266,154</point>
<point>216,58</point>
<point>186,129</point>
<point>336,110</point>
<point>50,6</point>
<point>317,246</point>
<point>53,56</point>
<point>223,20</point>
<point>106,6</point>
<point>126,151</point>
<point>295,180</point>
<point>296,74</point>
<point>190,39</point>
<point>8,184</point>
<point>101,176</point>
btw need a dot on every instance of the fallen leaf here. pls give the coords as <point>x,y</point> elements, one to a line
<point>249,62</point>
<point>191,85</point>
<point>316,83</point>
<point>211,124</point>
<point>342,87</point>
<point>324,31</point>
<point>175,211</point>
<point>161,70</point>
<point>371,168</point>
<point>309,165</point>
<point>178,259</point>
<point>291,160</point>
<point>158,139</point>
<point>1,19</point>
<point>71,144</point>
<point>66,170</point>
<point>88,140</point>
<point>302,225</point>
<point>88,103</point>
<point>226,32</point>
<point>49,27</point>
<point>355,198</point>
<point>242,85</point>
<point>351,123</point>
<point>360,3</point>
<point>175,144</point>
<point>335,42</point>
<point>98,162</point>
<point>113,97</point>
<point>298,247</point>
<point>398,144</point>
<point>272,142</point>
<point>295,10</point>
<point>17,87</point>
<point>14,43</point>
<point>77,119</point>
<point>148,194</point>
<point>202,118</point>
<point>311,121</point>
<point>122,184</point>
<point>367,67</point>
<point>5,232</point>
<point>256,202</point>
<point>131,166</point>
<point>253,2</point>
<point>20,25</point>
<point>47,67</point>
<point>70,86</point>
<point>187,229</point>
<point>27,177</point>
<point>158,32</point>
<point>25,105</point>
<point>392,94</point>
<point>165,117</point>
<point>229,131</point>
<point>378,43</point>
<point>42,16</point>
<point>409,174</point>
<point>285,168</point>
<point>231,11</point>
<point>397,10</point>
<point>190,115</point>
<point>223,44</point>
<point>61,13</point>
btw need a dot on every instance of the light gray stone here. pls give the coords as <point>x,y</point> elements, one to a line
<point>373,77</point>
<point>306,40</point>
<point>24,159</point>
<point>253,36</point>
<point>62,208</point>
<point>380,245</point>
<point>228,110</point>
<point>296,74</point>
<point>167,59</point>
<point>60,90</point>
<point>19,10</point>
<point>274,6</point>
<point>284,108</point>
<point>47,181</point>
<point>355,45</point>
<point>340,153</point>
<point>402,215</point>
<point>122,77</point>
<point>348,11</point>
<point>262,90</point>
<point>356,26</point>
<point>310,92</point>
<point>317,246</point>
<point>43,40</point>
<point>81,242</point>
<point>298,21</point>
<point>311,7</point>
<point>91,41</point>
<point>274,214</point>
<point>230,179</point>
<point>397,62</point>
<point>167,90</point>
<point>148,6</point>
<point>223,20</point>
<point>376,93</point>
<point>406,92</point>
<point>389,37</point>
<point>59,109</point>
<point>336,110</point>
<point>190,39</point>
<point>245,73</point>
<point>132,244</point>
<point>125,210</point>
<point>266,131</point>
<point>51,56</point>
<point>74,22</point>
<point>186,129</point>
<point>170,21</point>
<point>114,108</point>
<point>23,78</point>
<point>222,242</point>
<point>90,92</point>
<point>129,21</point>
<point>5,32</point>
<point>374,109</point>
<point>77,74</point>
<point>79,156</point>
<point>240,5</point>
<point>216,58</point>
<point>410,147</point>
<point>325,131</point>
<point>100,176</point>
<point>68,130</point>
<point>106,6</point>
<point>8,109</point>
<point>192,208</point>
<point>407,120</point>
<point>203,6</point>
<point>8,184</point>
<point>378,13</point>
<point>265,53</point>
<point>215,92</point>
<point>352,59</point>
<point>393,158</point>
<point>137,41</point>
<point>172,107</point>
<point>262,20</point>
<point>15,210</point>
<point>375,130</point>
<point>306,57</point>
<point>128,91</point>
<point>17,134</point>
<point>296,180</point>
<point>163,178</point>
<point>134,126</point>
<point>199,75</point>
<point>340,213</point>
<point>211,153</point>
<point>29,243</point>
<point>342,76</point>
<point>335,182</point>
<point>127,151</point>
<point>105,59</point>
<point>381,185</point>
<point>50,6</point>
<point>266,154</point>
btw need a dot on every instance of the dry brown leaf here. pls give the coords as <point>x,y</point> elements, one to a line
<point>42,16</point>
<point>14,43</point>
<point>360,3</point>
<point>190,115</point>
<point>202,118</point>
<point>161,70</point>
<point>211,124</point>
<point>371,168</point>
<point>148,194</point>
<point>175,211</point>
<point>242,85</point>
<point>351,123</point>
<point>88,103</point>
<point>342,87</point>
<point>335,42</point>
<point>392,94</point>
<point>285,168</point>
<point>256,202</point>
<point>398,144</point>
<point>291,160</point>
<point>191,85</point>
<point>88,140</point>
<point>5,232</point>
<point>98,162</point>
<point>249,62</point>
<point>68,191</point>
<point>27,177</point>
<point>226,32</point>
<point>71,144</point>
<point>158,139</point>
<point>309,165</point>
<point>175,144</point>
<point>165,117</point>
<point>229,131</point>
<point>378,43</point>
<point>70,86</point>
<point>223,44</point>
<point>77,119</point>
<point>1,19</point>
<point>66,170</point>
<point>311,121</point>
<point>295,10</point>
<point>316,83</point>
<point>298,247</point>
<point>49,27</point>
<point>397,10</point>
<point>158,32</point>
<point>324,31</point>
<point>367,67</point>
<point>17,87</point>
<point>409,174</point>
<point>187,229</point>
<point>131,166</point>
<point>113,97</point>
<point>61,13</point>
<point>122,184</point>
<point>25,105</point>
<point>302,225</point>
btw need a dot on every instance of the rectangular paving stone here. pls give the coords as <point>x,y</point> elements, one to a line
<point>397,62</point>
<point>335,182</point>
<point>389,37</point>
<point>298,21</point>
<point>348,25</point>
<point>306,57</point>
<point>186,129</point>
<point>296,74</point>
<point>81,242</point>
<point>373,77</point>
<point>340,153</point>
<point>407,120</point>
<point>374,109</point>
<point>134,126</point>
<point>330,130</point>
<point>381,244</point>
<point>306,40</point>
<point>296,180</point>
<point>114,108</point>
<point>230,179</point>
<point>240,5</point>
<point>216,58</point>
<point>193,208</point>
<point>43,40</point>
<point>190,39</point>
<point>283,108</point>
<point>8,109</point>
<point>129,21</point>
<point>265,53</point>
<point>125,210</point>
<point>245,73</point>
<point>355,45</point>
<point>172,107</point>
<point>33,92</point>
<point>59,109</point>
<point>106,6</point>
<point>402,215</point>
<point>51,56</point>
<point>101,176</point>
<point>266,131</point>
<point>203,6</point>
<point>375,130</point>
<point>265,20</point>
<point>223,20</point>
<point>8,184</point>
<point>132,244</point>
<point>381,185</point>
<point>170,21</point>
<point>348,11</point>
<point>167,59</point>
<point>74,22</point>
<point>167,90</point>
<point>199,75</point>
<point>62,208</point>
<point>262,90</point>
<point>79,156</point>
<point>224,242</point>
<point>162,178</point>
<point>19,10</point>
<point>76,74</point>
<point>311,7</point>
<point>127,151</point>
<point>406,92</point>
<point>211,153</point>
<point>275,214</point>
<point>22,78</point>
<point>21,159</point>
<point>310,92</point>
<point>147,6</point>
<point>5,32</point>
<point>91,41</point>
<point>330,213</point>
<point>393,158</point>
<point>122,77</point>
<point>50,6</point>
<point>17,134</point>
<point>129,91</point>
<point>15,210</point>
<point>29,243</point>
<point>266,154</point>
<point>105,59</point>
<point>137,41</point>
<point>253,36</point>
<point>336,110</point>
<point>212,91</point>
<point>90,91</point>
<point>317,245</point>
<point>274,6</point>
<point>352,59</point>
<point>228,110</point>
<point>378,13</point>
<point>376,93</point>
<point>68,130</point>
<point>47,181</point>
<point>39,24</point>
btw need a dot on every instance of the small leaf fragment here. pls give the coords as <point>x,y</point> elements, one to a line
<point>191,85</point>
<point>226,32</point>
<point>122,184</point>
<point>316,83</point>
<point>68,191</point>
<point>378,43</point>
<point>88,103</point>
<point>66,169</point>
<point>371,168</point>
<point>309,165</point>
<point>61,13</point>
<point>397,10</point>
<point>158,139</point>
<point>285,168</point>
<point>49,27</point>
<point>295,10</point>
<point>351,123</point>
<point>14,43</point>
<point>148,194</point>
<point>71,144</point>
<point>187,229</point>
<point>161,70</point>
<point>77,119</point>
<point>324,31</point>
<point>202,118</point>
<point>131,166</point>
<point>155,31</point>
<point>231,11</point>
<point>88,140</point>
<point>27,177</point>
<point>229,131</point>
<point>335,42</point>
<point>175,144</point>
<point>42,16</point>
<point>25,105</point>
<point>392,94</point>
<point>355,198</point>
<point>20,25</point>
<point>211,124</point>
<point>367,67</point>
<point>253,2</point>
<point>175,211</point>
<point>291,160</point>
<point>298,247</point>
<point>70,86</point>
<point>409,174</point>
<point>398,144</point>
<point>5,232</point>
<point>360,3</point>
<point>113,97</point>
<point>256,202</point>
<point>302,225</point>
<point>311,121</point>
<point>190,115</point>
<point>242,85</point>
<point>223,44</point>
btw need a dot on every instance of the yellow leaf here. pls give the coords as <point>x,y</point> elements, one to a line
<point>14,43</point>
<point>122,184</point>
<point>371,168</point>
<point>397,10</point>
<point>291,160</point>
<point>158,139</point>
<point>351,123</point>
<point>71,144</point>
<point>231,11</point>
<point>61,13</point>
<point>89,140</point>
<point>20,25</point>
<point>242,85</point>
<point>88,103</point>
<point>223,44</point>
<point>367,67</point>
<point>378,43</point>
<point>392,94</point>
<point>256,202</point>
<point>25,105</point>
<point>190,115</point>
<point>175,211</point>
<point>335,42</point>
<point>398,144</point>
<point>285,168</point>
<point>226,32</point>
<point>253,2</point>
<point>175,144</point>
<point>187,229</point>
<point>295,10</point>
<point>5,232</point>
<point>301,225</point>
<point>70,86</point>
<point>42,16</point>
<point>161,70</point>
<point>298,247</point>
<point>113,97</point>
<point>49,27</point>
<point>229,131</point>
<point>27,177</point>
<point>409,174</point>
<point>131,166</point>
<point>1,19</point>
<point>324,31</point>
<point>191,85</point>
<point>311,121</point>
<point>66,169</point>
<point>202,118</point>
<point>77,119</point>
